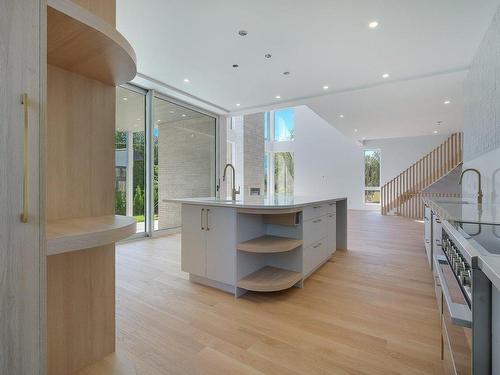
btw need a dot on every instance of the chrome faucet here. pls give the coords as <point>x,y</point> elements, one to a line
<point>233,188</point>
<point>480,192</point>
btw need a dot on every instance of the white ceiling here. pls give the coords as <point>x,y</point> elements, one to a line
<point>321,42</point>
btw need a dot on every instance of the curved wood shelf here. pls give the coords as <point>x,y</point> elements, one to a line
<point>269,244</point>
<point>86,232</point>
<point>81,42</point>
<point>270,279</point>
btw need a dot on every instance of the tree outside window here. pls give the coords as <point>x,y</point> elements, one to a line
<point>372,176</point>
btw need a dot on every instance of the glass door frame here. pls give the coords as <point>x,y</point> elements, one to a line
<point>149,147</point>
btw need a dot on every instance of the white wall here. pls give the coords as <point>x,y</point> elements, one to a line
<point>397,154</point>
<point>327,163</point>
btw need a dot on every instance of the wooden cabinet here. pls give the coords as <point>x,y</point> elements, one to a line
<point>209,242</point>
<point>22,257</point>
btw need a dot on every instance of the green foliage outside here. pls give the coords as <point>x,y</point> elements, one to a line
<point>372,168</point>
<point>283,173</point>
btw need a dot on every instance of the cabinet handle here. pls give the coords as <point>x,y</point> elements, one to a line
<point>208,215</point>
<point>24,215</point>
<point>317,221</point>
<point>316,246</point>
<point>201,218</point>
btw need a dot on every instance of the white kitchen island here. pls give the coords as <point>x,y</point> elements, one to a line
<point>259,244</point>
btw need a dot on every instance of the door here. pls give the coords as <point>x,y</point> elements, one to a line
<point>221,244</point>
<point>22,259</point>
<point>332,234</point>
<point>193,254</point>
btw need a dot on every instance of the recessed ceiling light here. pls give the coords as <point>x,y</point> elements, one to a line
<point>355,130</point>
<point>325,87</point>
<point>158,120</point>
<point>278,97</point>
<point>373,25</point>
<point>364,138</point>
<point>125,98</point>
<point>341,116</point>
<point>447,102</point>
<point>238,104</point>
<point>235,65</point>
<point>186,80</point>
<point>268,55</point>
<point>138,119</point>
<point>172,111</point>
<point>435,131</point>
<point>286,73</point>
<point>183,115</point>
<point>242,32</point>
<point>385,75</point>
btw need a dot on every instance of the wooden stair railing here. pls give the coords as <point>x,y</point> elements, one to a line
<point>403,194</point>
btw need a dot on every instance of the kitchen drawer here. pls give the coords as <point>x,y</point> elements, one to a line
<point>314,255</point>
<point>315,230</point>
<point>314,211</point>
<point>332,207</point>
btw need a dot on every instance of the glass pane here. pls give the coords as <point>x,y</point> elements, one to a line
<point>130,156</point>
<point>372,196</point>
<point>283,173</point>
<point>284,127</point>
<point>266,171</point>
<point>184,159</point>
<point>372,168</point>
<point>266,126</point>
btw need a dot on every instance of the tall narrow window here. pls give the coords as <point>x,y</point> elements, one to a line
<point>130,155</point>
<point>372,176</point>
<point>283,173</point>
<point>284,125</point>
<point>266,126</point>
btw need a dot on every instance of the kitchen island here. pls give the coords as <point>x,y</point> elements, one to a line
<point>258,244</point>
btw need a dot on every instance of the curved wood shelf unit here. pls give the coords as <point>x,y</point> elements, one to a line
<point>270,279</point>
<point>81,42</point>
<point>86,232</point>
<point>269,244</point>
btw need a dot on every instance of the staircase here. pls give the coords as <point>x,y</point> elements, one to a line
<point>403,194</point>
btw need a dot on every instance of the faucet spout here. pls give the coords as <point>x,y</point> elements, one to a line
<point>480,191</point>
<point>233,188</point>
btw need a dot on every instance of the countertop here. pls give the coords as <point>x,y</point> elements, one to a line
<point>491,268</point>
<point>278,202</point>
<point>465,210</point>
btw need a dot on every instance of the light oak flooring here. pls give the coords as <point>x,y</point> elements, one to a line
<point>369,310</point>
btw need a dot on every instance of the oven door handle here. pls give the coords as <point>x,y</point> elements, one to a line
<point>460,315</point>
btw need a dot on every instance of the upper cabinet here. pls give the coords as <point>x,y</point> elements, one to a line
<point>83,43</point>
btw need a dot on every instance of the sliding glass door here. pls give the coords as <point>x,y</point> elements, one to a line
<point>130,157</point>
<point>184,142</point>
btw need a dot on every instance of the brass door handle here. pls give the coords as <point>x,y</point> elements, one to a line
<point>24,215</point>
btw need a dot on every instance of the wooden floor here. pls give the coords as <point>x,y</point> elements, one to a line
<point>369,310</point>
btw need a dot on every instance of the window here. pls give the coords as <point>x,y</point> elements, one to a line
<point>283,173</point>
<point>266,172</point>
<point>372,176</point>
<point>284,126</point>
<point>266,126</point>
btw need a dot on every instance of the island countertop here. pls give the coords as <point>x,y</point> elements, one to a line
<point>277,202</point>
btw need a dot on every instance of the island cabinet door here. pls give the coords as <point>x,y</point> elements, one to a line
<point>332,234</point>
<point>221,244</point>
<point>193,247</point>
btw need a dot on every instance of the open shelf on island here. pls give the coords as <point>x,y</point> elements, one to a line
<point>86,232</point>
<point>81,42</point>
<point>270,279</point>
<point>269,244</point>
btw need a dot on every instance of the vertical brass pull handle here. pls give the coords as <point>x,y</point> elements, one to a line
<point>208,216</point>
<point>24,215</point>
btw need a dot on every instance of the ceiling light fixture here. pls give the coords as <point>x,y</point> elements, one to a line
<point>238,104</point>
<point>385,75</point>
<point>447,102</point>
<point>125,98</point>
<point>373,25</point>
<point>171,111</point>
<point>243,32</point>
<point>158,120</point>
<point>183,115</point>
<point>268,55</point>
<point>278,97</point>
<point>341,116</point>
<point>435,131</point>
<point>355,130</point>
<point>325,87</point>
<point>186,80</point>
